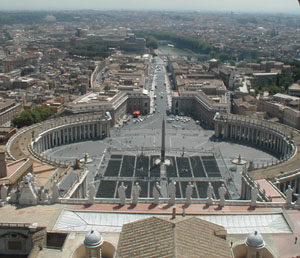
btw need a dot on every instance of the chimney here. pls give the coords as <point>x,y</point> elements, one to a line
<point>174,213</point>
<point>3,167</point>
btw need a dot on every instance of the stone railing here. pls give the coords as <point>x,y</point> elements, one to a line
<point>14,137</point>
<point>49,160</point>
<point>15,225</point>
<point>248,184</point>
<point>116,201</point>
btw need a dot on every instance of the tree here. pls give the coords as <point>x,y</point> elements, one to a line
<point>92,48</point>
<point>24,119</point>
<point>44,112</point>
<point>272,89</point>
<point>296,73</point>
<point>29,117</point>
<point>285,80</point>
<point>182,42</point>
<point>225,57</point>
<point>151,42</point>
<point>36,116</point>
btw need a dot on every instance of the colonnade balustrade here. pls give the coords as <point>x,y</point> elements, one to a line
<point>247,185</point>
<point>291,178</point>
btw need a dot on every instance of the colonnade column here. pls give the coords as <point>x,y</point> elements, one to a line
<point>94,130</point>
<point>225,131</point>
<point>56,138</point>
<point>101,135</point>
<point>88,131</point>
<point>75,134</point>
<point>298,185</point>
<point>253,135</point>
<point>52,140</point>
<point>217,128</point>
<point>80,132</point>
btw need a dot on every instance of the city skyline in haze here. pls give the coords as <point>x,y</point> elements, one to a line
<point>269,6</point>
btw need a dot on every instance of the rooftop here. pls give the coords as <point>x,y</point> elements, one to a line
<point>162,237</point>
<point>283,226</point>
<point>238,221</point>
<point>295,86</point>
<point>15,170</point>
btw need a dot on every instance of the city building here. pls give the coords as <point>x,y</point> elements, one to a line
<point>197,93</point>
<point>8,109</point>
<point>294,90</point>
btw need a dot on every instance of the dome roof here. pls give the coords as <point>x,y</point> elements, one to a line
<point>93,239</point>
<point>255,240</point>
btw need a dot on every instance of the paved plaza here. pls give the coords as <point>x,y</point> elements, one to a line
<point>142,136</point>
<point>190,140</point>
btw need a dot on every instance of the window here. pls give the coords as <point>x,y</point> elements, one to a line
<point>93,253</point>
<point>14,245</point>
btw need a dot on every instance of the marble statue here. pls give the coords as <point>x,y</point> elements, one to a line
<point>77,164</point>
<point>92,193</point>
<point>172,192</point>
<point>43,196</point>
<point>14,195</point>
<point>254,194</point>
<point>156,193</point>
<point>32,180</point>
<point>4,190</point>
<point>188,193</point>
<point>55,192</point>
<point>222,193</point>
<point>289,195</point>
<point>28,194</point>
<point>251,166</point>
<point>122,194</point>
<point>136,190</point>
<point>210,194</point>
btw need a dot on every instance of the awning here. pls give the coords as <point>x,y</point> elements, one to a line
<point>136,112</point>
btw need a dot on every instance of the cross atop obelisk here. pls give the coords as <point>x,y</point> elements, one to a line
<point>163,148</point>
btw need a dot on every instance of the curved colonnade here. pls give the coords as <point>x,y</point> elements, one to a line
<point>59,131</point>
<point>275,138</point>
<point>257,132</point>
<point>74,131</point>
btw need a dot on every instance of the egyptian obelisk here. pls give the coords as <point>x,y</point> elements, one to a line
<point>163,169</point>
<point>163,148</point>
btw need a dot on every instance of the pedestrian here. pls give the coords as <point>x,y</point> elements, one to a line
<point>296,240</point>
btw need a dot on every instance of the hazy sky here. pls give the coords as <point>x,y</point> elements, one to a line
<point>282,6</point>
